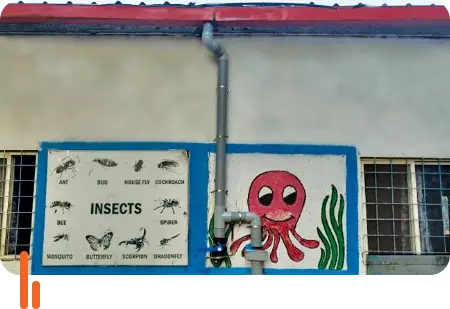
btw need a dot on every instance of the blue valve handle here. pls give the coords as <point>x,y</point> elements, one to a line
<point>218,248</point>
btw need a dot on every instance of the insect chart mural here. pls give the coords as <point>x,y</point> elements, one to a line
<point>301,200</point>
<point>116,208</point>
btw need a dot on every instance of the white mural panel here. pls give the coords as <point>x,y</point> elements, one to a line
<point>301,200</point>
<point>116,208</point>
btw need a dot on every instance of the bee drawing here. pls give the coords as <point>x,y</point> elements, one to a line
<point>168,203</point>
<point>138,165</point>
<point>67,165</point>
<point>102,243</point>
<point>168,165</point>
<point>165,241</point>
<point>104,162</point>
<point>62,236</point>
<point>63,205</point>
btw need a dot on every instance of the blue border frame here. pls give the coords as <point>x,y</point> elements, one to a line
<point>198,197</point>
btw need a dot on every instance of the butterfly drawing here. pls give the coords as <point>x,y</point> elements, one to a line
<point>102,243</point>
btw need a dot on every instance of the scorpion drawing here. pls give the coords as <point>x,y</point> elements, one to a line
<point>138,165</point>
<point>165,241</point>
<point>138,242</point>
<point>67,164</point>
<point>63,205</point>
<point>104,162</point>
<point>102,243</point>
<point>168,203</point>
<point>167,165</point>
<point>62,236</point>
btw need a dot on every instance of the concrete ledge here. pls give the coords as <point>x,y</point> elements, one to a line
<point>406,265</point>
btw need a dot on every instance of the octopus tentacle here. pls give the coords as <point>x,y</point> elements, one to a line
<point>294,253</point>
<point>269,241</point>
<point>273,253</point>
<point>311,244</point>
<point>235,245</point>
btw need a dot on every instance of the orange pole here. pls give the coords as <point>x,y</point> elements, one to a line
<point>23,280</point>
<point>36,295</point>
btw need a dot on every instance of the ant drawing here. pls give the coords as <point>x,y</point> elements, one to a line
<point>67,164</point>
<point>138,242</point>
<point>168,203</point>
<point>165,241</point>
<point>102,243</point>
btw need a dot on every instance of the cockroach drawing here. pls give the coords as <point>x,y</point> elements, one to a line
<point>104,162</point>
<point>168,165</point>
<point>165,241</point>
<point>63,205</point>
<point>67,164</point>
<point>168,203</point>
<point>138,165</point>
<point>138,242</point>
<point>102,243</point>
<point>62,236</point>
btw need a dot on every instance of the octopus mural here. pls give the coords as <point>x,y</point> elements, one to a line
<point>278,198</point>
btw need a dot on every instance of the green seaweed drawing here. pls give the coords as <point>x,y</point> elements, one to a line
<point>218,262</point>
<point>333,253</point>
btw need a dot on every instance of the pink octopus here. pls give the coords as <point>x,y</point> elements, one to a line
<point>278,198</point>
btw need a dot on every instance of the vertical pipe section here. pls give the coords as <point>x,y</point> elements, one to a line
<point>221,130</point>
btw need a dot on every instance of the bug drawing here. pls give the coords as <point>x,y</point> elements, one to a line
<point>168,203</point>
<point>138,242</point>
<point>63,205</point>
<point>59,237</point>
<point>165,241</point>
<point>138,165</point>
<point>102,243</point>
<point>104,162</point>
<point>67,164</point>
<point>168,165</point>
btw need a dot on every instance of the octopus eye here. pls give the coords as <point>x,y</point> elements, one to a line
<point>265,196</point>
<point>289,195</point>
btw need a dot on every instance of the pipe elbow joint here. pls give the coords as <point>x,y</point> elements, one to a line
<point>253,219</point>
<point>210,43</point>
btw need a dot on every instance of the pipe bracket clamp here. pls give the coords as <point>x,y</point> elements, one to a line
<point>255,254</point>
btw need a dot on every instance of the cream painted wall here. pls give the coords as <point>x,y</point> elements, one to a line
<point>388,97</point>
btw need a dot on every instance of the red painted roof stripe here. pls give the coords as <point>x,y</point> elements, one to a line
<point>36,13</point>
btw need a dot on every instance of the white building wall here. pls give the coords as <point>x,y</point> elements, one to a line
<point>388,97</point>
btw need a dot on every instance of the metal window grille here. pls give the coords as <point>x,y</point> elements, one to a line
<point>406,206</point>
<point>17,200</point>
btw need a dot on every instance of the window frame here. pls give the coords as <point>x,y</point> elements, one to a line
<point>411,164</point>
<point>7,198</point>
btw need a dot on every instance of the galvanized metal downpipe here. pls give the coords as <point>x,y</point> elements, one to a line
<point>221,217</point>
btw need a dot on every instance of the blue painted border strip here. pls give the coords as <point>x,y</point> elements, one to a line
<point>198,200</point>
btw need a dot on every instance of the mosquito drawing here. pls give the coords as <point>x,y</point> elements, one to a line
<point>168,203</point>
<point>102,243</point>
<point>59,237</point>
<point>67,164</point>
<point>104,162</point>
<point>165,241</point>
<point>138,165</point>
<point>168,165</point>
<point>138,242</point>
<point>63,205</point>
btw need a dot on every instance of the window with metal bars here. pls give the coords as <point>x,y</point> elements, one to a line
<point>17,199</point>
<point>406,206</point>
